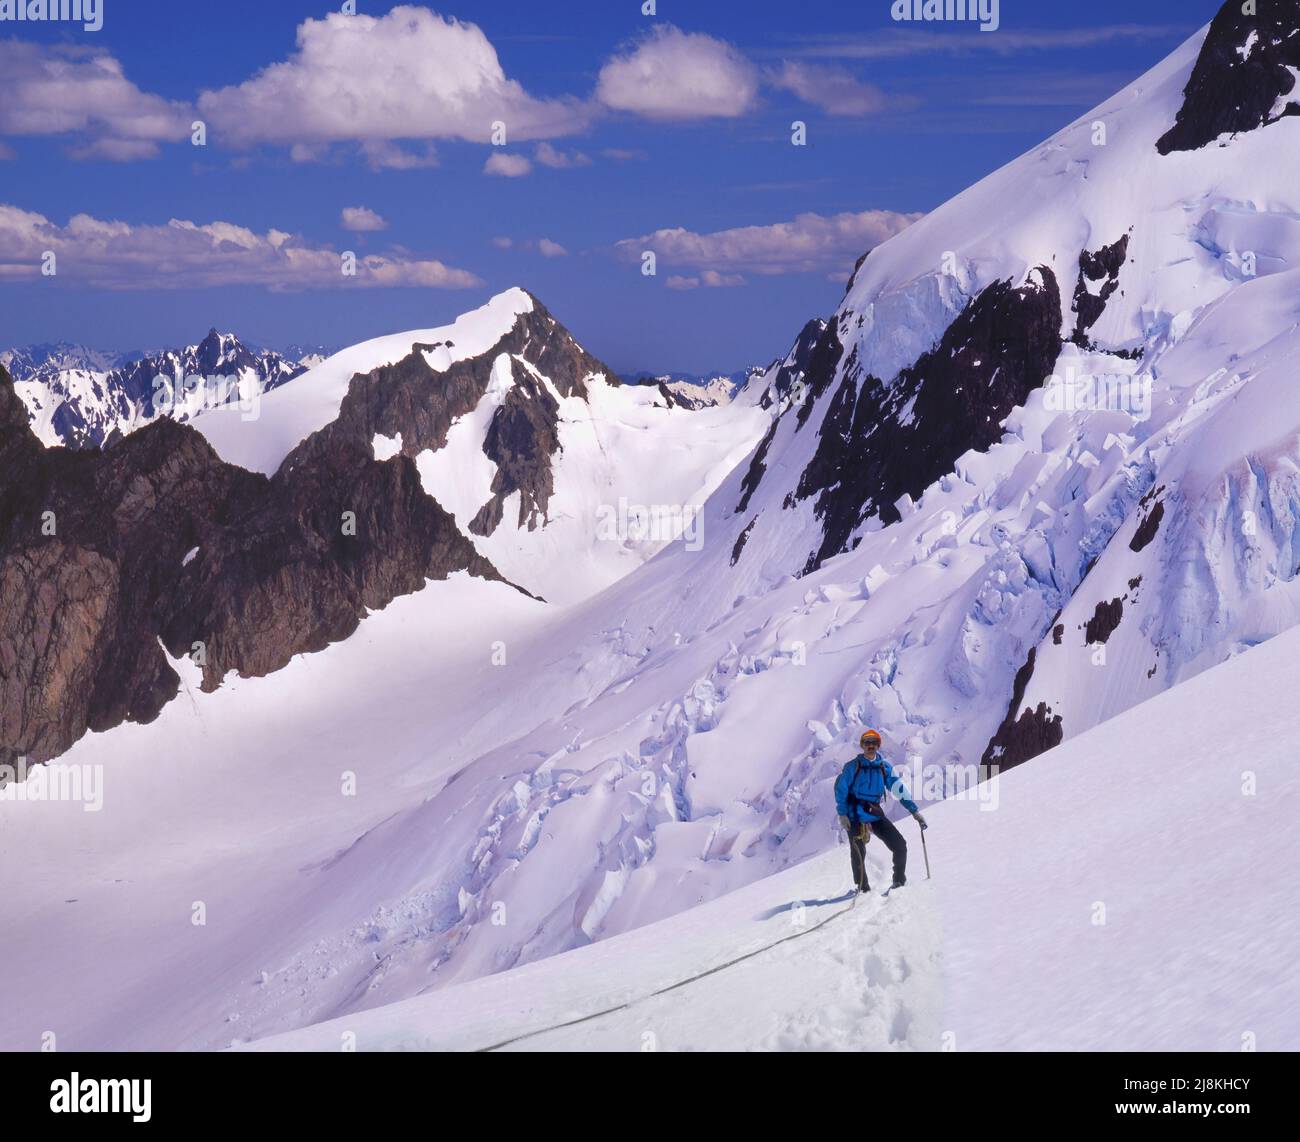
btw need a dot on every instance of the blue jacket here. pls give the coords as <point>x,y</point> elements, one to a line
<point>862,781</point>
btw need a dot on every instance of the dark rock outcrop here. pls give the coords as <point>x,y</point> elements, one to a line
<point>797,366</point>
<point>520,441</point>
<point>1240,76</point>
<point>1033,732</point>
<point>1105,619</point>
<point>103,554</point>
<point>880,442</point>
<point>1149,525</point>
<point>412,399</point>
<point>1102,266</point>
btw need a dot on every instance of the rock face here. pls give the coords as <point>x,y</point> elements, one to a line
<point>105,554</point>
<point>878,442</point>
<point>1245,76</point>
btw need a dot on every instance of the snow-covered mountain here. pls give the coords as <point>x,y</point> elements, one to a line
<point>495,445</point>
<point>692,390</point>
<point>1039,466</point>
<point>81,398</point>
<point>566,478</point>
<point>1051,426</point>
<point>32,361</point>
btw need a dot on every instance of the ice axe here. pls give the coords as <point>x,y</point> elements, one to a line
<point>926,853</point>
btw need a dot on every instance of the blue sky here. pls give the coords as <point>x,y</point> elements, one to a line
<point>899,118</point>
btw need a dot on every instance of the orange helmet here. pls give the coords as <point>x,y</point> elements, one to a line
<point>870,735</point>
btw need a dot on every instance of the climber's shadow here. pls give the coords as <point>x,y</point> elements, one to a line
<point>780,908</point>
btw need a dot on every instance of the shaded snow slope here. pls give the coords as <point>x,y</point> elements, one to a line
<point>240,800</point>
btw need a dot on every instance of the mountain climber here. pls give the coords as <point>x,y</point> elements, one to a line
<point>859,791</point>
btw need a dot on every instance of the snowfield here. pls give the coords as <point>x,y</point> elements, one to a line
<point>1101,898</point>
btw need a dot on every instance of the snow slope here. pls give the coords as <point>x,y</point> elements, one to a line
<point>238,799</point>
<point>633,474</point>
<point>1153,927</point>
<point>866,981</point>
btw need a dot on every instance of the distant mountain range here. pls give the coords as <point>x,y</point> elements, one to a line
<point>79,397</point>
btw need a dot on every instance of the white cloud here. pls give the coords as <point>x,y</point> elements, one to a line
<point>834,90</point>
<point>812,242</point>
<point>84,93</point>
<point>673,74</point>
<point>549,249</point>
<point>361,219</point>
<point>411,74</point>
<point>184,255</point>
<point>503,243</point>
<point>550,156</point>
<point>709,279</point>
<point>382,155</point>
<point>507,166</point>
<point>901,43</point>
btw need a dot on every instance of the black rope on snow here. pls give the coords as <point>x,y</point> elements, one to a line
<point>670,987</point>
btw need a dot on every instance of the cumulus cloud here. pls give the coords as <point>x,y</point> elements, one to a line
<point>361,219</point>
<point>507,166</point>
<point>708,279</point>
<point>834,90</point>
<point>671,74</point>
<point>549,249</point>
<point>84,93</point>
<point>185,255</point>
<point>410,74</point>
<point>810,243</point>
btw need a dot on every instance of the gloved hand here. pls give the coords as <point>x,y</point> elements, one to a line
<point>920,821</point>
<point>844,824</point>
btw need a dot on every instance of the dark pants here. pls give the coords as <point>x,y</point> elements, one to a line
<point>885,831</point>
